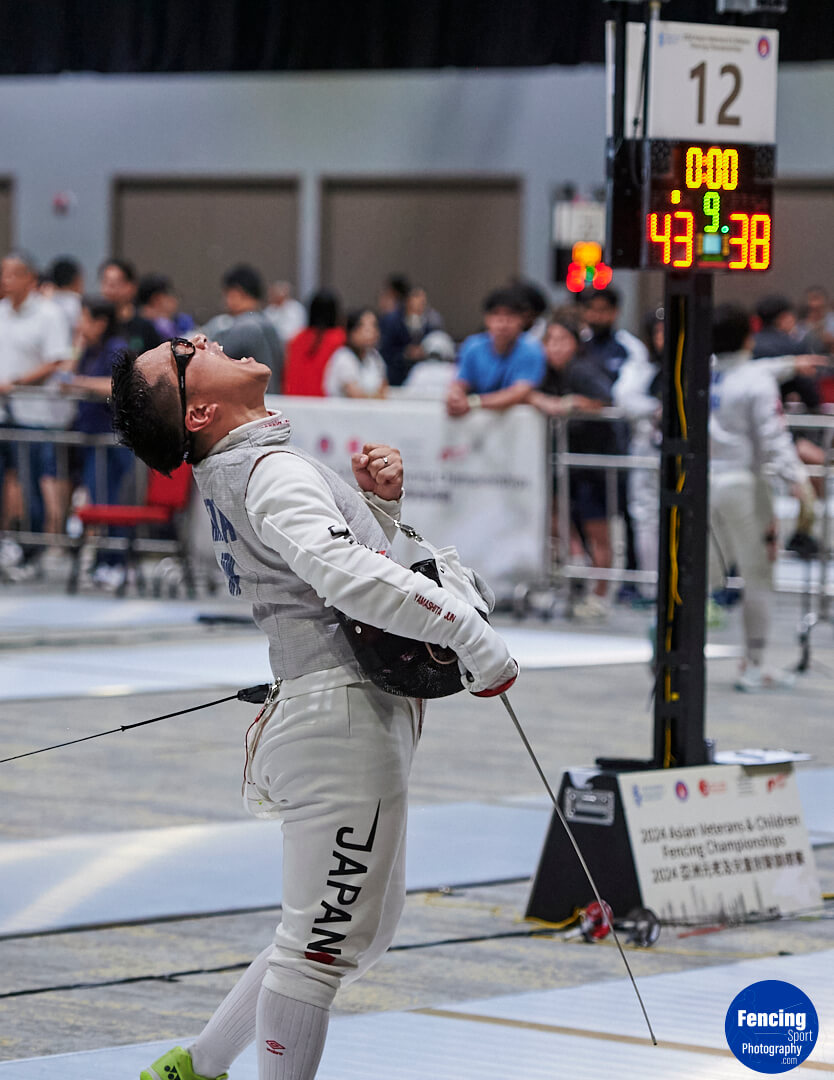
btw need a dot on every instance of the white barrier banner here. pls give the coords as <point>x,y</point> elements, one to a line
<point>478,482</point>
<point>719,841</point>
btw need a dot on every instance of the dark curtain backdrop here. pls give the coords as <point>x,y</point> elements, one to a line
<point>48,36</point>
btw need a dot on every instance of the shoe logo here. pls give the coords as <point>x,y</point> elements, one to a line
<point>171,1072</point>
<point>275,1047</point>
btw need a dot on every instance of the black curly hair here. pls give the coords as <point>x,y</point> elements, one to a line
<point>146,416</point>
<point>730,328</point>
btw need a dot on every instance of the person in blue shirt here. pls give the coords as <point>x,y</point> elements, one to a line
<point>500,367</point>
<point>99,340</point>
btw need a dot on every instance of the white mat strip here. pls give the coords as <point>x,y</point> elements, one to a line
<point>99,878</point>
<point>238,661</point>
<point>687,1010</point>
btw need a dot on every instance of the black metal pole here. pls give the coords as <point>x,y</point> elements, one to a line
<point>684,518</point>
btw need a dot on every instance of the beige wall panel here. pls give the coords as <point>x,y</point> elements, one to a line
<point>803,254</point>
<point>194,231</point>
<point>6,240</point>
<point>459,239</point>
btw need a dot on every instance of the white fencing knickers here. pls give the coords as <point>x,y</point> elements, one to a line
<point>643,503</point>
<point>331,759</point>
<point>741,512</point>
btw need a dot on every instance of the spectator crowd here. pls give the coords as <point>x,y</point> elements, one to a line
<point>572,360</point>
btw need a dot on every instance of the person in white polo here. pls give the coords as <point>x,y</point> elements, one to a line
<point>34,342</point>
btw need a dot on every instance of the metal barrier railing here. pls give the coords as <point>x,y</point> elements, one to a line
<point>562,461</point>
<point>560,567</point>
<point>68,447</point>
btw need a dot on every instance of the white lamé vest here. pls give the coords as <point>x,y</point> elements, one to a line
<point>304,634</point>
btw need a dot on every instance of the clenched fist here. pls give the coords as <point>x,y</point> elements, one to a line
<point>379,470</point>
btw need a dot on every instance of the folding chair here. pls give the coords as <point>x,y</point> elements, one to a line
<point>166,501</point>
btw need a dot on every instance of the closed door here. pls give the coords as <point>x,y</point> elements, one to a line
<point>195,230</point>
<point>458,238</point>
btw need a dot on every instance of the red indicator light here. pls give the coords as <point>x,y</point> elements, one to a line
<point>575,280</point>
<point>602,276</point>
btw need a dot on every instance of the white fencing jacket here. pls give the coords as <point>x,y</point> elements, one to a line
<point>297,541</point>
<point>747,427</point>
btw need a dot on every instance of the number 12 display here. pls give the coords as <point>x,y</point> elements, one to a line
<point>709,207</point>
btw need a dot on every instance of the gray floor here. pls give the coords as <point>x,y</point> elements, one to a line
<point>451,947</point>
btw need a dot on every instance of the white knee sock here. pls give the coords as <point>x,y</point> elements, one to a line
<point>290,1037</point>
<point>756,616</point>
<point>232,1027</point>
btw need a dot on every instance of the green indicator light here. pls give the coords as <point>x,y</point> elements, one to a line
<point>725,228</point>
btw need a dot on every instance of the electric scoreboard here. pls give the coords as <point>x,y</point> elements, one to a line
<point>708,207</point>
<point>690,176</point>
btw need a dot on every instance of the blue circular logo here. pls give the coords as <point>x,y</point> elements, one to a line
<point>771,1026</point>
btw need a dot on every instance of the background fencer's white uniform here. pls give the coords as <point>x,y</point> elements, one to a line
<point>632,392</point>
<point>747,433</point>
<point>331,755</point>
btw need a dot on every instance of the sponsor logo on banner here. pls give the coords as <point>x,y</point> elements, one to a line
<point>711,787</point>
<point>763,47</point>
<point>776,782</point>
<point>682,791</point>
<point>646,793</point>
<point>744,784</point>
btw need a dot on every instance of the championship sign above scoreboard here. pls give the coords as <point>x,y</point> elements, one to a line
<point>715,83</point>
<point>690,178</point>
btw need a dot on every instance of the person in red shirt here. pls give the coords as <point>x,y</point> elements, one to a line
<point>309,351</point>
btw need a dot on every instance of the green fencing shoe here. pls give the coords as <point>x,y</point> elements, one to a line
<point>175,1065</point>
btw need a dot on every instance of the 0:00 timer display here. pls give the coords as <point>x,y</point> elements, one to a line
<point>707,212</point>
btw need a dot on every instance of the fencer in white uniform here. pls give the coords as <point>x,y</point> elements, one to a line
<point>635,393</point>
<point>330,753</point>
<point>749,442</point>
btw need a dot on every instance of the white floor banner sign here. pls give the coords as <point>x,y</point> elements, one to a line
<point>477,482</point>
<point>719,840</point>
